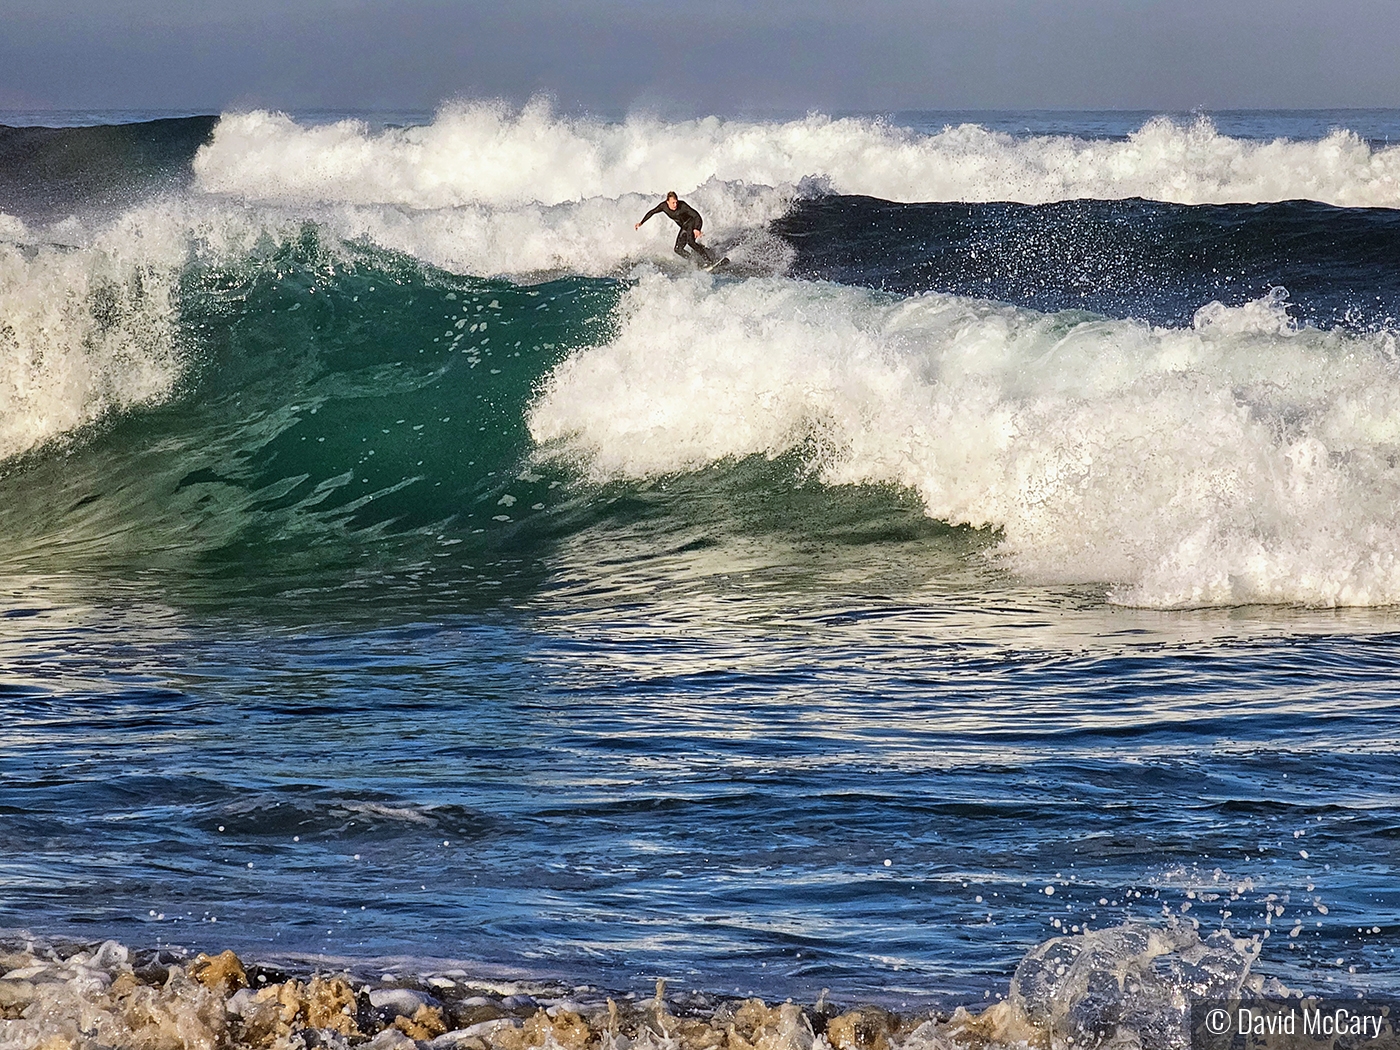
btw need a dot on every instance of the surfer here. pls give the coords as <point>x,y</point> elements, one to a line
<point>689,220</point>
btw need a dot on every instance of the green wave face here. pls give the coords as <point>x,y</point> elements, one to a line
<point>350,412</point>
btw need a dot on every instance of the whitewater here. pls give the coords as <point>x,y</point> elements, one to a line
<point>979,598</point>
<point>1242,460</point>
<point>490,154</point>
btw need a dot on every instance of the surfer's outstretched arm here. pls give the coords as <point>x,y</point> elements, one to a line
<point>649,214</point>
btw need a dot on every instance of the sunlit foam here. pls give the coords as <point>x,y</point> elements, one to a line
<point>86,328</point>
<point>1239,460</point>
<point>594,237</point>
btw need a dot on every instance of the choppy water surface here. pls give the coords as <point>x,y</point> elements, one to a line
<point>407,560</point>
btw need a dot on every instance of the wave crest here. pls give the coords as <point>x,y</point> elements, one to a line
<point>85,330</point>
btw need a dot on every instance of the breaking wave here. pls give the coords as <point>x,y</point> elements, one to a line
<point>490,154</point>
<point>1243,459</point>
<point>1231,456</point>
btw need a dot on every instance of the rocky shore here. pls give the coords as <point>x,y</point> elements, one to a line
<point>1128,987</point>
<point>111,997</point>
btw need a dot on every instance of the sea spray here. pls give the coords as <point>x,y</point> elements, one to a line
<point>85,330</point>
<point>1131,984</point>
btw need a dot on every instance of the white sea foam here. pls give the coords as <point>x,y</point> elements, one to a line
<point>490,190</point>
<point>590,238</point>
<point>1240,460</point>
<point>489,154</point>
<point>86,327</point>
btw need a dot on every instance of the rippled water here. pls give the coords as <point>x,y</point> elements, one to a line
<point>754,786</point>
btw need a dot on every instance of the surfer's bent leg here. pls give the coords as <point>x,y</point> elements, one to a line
<point>686,238</point>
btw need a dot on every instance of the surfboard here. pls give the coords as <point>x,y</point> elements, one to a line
<point>720,265</point>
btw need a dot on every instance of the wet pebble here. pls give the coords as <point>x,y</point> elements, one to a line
<point>399,1002</point>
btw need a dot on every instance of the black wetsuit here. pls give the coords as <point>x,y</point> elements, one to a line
<point>688,219</point>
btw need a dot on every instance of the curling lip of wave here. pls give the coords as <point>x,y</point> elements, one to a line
<point>482,153</point>
<point>84,331</point>
<point>1241,460</point>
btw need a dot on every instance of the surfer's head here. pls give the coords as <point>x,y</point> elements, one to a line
<point>671,199</point>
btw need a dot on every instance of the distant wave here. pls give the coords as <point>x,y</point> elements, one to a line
<point>476,153</point>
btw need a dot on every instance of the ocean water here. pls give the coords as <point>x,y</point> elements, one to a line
<point>405,560</point>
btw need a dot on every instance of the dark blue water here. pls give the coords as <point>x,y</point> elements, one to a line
<point>1135,258</point>
<point>319,651</point>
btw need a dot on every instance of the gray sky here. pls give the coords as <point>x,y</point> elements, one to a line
<point>716,56</point>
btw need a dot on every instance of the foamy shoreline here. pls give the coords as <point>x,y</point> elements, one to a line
<point>1133,982</point>
<point>112,996</point>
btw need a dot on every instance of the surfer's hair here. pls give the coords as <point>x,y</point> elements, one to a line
<point>672,195</point>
